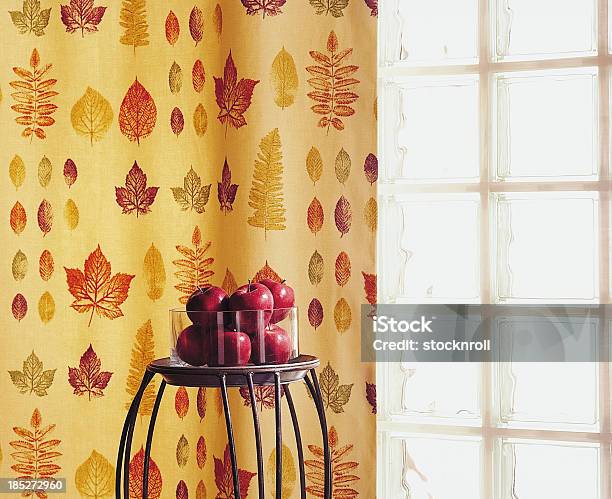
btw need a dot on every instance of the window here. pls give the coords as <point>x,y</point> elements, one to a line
<point>494,136</point>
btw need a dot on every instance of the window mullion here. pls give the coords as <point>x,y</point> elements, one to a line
<point>484,40</point>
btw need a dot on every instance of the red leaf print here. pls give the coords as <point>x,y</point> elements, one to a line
<point>373,5</point>
<point>19,306</point>
<point>18,218</point>
<point>176,121</point>
<point>315,313</point>
<point>266,272</point>
<point>315,216</point>
<point>70,172</point>
<point>369,286</point>
<point>95,290</point>
<point>46,265</point>
<point>343,268</point>
<point>135,196</point>
<point>88,378</point>
<point>137,114</point>
<point>45,217</point>
<point>343,216</point>
<point>266,7</point>
<point>181,402</point>
<point>370,167</point>
<point>218,20</point>
<point>264,396</point>
<point>196,24</point>
<point>223,478</point>
<point>173,28</point>
<point>226,191</point>
<point>233,96</point>
<point>81,14</point>
<point>201,403</point>
<point>136,471</point>
<point>201,452</point>
<point>198,76</point>
<point>181,490</point>
<point>371,395</point>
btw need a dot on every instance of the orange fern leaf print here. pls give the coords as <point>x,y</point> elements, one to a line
<point>333,84</point>
<point>138,113</point>
<point>35,454</point>
<point>193,269</point>
<point>343,471</point>
<point>33,96</point>
<point>143,353</point>
<point>95,290</point>
<point>233,96</point>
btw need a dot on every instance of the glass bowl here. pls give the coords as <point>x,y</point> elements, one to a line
<point>233,338</point>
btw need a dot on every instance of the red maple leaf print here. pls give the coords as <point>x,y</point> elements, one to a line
<point>95,290</point>
<point>266,7</point>
<point>88,378</point>
<point>224,481</point>
<point>264,396</point>
<point>226,191</point>
<point>135,196</point>
<point>233,96</point>
<point>81,14</point>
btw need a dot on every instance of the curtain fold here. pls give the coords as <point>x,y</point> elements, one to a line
<point>152,146</point>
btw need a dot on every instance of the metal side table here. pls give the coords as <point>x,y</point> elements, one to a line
<point>280,376</point>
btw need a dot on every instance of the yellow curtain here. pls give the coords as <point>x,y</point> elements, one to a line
<point>149,146</point>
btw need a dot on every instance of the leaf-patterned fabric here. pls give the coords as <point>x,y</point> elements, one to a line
<point>149,147</point>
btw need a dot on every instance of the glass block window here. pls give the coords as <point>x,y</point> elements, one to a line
<point>494,187</point>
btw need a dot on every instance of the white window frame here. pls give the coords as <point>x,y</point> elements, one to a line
<point>486,187</point>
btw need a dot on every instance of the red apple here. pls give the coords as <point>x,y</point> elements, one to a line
<point>191,346</point>
<point>203,301</point>
<point>284,297</point>
<point>236,348</point>
<point>247,300</point>
<point>277,346</point>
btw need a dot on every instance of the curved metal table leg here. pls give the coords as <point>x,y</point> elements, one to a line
<point>147,455</point>
<point>279,436</point>
<point>230,436</point>
<point>126,424</point>
<point>315,391</point>
<point>255,411</point>
<point>298,441</point>
<point>125,444</point>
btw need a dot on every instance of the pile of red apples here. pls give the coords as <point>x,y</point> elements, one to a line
<point>249,322</point>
